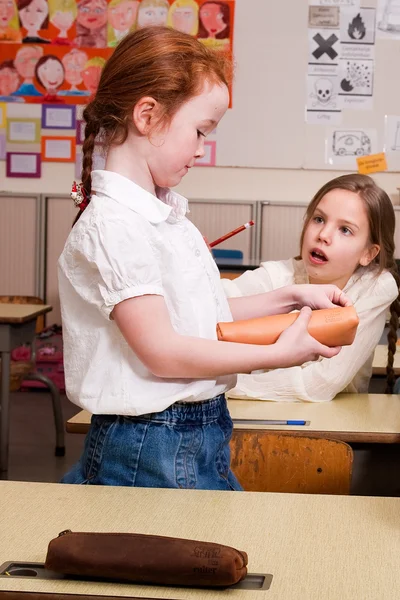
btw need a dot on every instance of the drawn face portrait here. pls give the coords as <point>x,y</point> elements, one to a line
<point>122,16</point>
<point>63,20</point>
<point>8,10</point>
<point>91,77</point>
<point>92,14</point>
<point>34,15</point>
<point>50,73</point>
<point>152,14</point>
<point>212,17</point>
<point>184,19</point>
<point>74,62</point>
<point>26,60</point>
<point>9,80</point>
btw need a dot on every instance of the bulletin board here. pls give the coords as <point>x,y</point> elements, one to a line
<point>52,53</point>
<point>275,45</point>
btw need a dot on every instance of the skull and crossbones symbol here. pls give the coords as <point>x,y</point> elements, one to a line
<point>324,96</point>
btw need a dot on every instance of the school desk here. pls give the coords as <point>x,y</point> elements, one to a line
<point>380,360</point>
<point>366,418</point>
<point>237,264</point>
<point>17,326</point>
<point>314,546</point>
<point>230,268</point>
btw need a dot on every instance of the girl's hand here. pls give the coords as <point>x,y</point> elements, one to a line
<point>295,345</point>
<point>320,296</point>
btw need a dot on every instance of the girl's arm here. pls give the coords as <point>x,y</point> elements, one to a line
<point>286,299</point>
<point>145,323</point>
<point>257,281</point>
<point>253,295</point>
<point>323,380</point>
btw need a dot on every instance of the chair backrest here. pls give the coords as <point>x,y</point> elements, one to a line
<point>26,300</point>
<point>226,253</point>
<point>264,461</point>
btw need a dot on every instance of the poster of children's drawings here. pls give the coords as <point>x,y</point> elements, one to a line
<point>53,51</point>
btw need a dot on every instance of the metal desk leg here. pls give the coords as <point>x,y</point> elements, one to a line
<point>57,410</point>
<point>4,413</point>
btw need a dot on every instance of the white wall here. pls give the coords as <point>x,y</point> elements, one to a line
<point>279,185</point>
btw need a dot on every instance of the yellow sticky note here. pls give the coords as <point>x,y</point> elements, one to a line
<point>372,163</point>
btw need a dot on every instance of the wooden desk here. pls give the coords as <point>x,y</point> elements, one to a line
<point>314,546</point>
<point>17,326</point>
<point>230,268</point>
<point>237,264</point>
<point>380,360</point>
<point>368,418</point>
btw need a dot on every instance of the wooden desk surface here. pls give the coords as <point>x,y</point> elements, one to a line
<point>369,418</point>
<point>330,547</point>
<point>380,360</point>
<point>20,313</point>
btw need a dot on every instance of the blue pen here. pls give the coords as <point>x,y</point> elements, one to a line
<point>271,421</point>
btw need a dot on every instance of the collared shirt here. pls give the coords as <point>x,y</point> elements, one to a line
<point>320,381</point>
<point>130,243</point>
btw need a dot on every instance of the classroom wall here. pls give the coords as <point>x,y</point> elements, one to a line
<point>216,183</point>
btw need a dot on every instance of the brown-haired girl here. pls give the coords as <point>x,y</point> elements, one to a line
<point>50,74</point>
<point>91,24</point>
<point>347,240</point>
<point>140,292</point>
<point>214,20</point>
<point>34,16</point>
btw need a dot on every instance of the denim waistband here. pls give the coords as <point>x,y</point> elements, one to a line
<point>195,413</point>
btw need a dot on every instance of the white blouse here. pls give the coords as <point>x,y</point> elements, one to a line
<point>129,243</point>
<point>320,381</point>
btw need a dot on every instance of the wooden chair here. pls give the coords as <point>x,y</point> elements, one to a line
<point>20,370</point>
<point>264,461</point>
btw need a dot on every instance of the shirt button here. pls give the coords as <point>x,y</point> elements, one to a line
<point>197,253</point>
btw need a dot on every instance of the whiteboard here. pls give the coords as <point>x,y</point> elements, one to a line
<point>266,127</point>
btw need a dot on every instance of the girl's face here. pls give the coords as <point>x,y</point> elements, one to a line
<point>123,16</point>
<point>9,81</point>
<point>213,19</point>
<point>92,14</point>
<point>174,149</point>
<point>7,11</point>
<point>26,60</point>
<point>51,74</point>
<point>33,16</point>
<point>91,77</point>
<point>74,62</point>
<point>184,19</point>
<point>152,15</point>
<point>336,240</point>
<point>63,19</point>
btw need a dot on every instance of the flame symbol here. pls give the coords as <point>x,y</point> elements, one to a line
<point>356,28</point>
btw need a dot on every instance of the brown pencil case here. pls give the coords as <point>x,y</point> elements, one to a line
<point>150,559</point>
<point>330,326</point>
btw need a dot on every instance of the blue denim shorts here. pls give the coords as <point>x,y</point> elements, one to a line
<point>185,446</point>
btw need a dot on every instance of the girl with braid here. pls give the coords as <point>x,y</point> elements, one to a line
<point>140,292</point>
<point>347,240</point>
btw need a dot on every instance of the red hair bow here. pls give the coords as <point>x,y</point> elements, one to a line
<point>79,195</point>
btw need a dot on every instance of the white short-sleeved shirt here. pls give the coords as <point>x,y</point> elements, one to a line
<point>129,243</point>
<point>320,381</point>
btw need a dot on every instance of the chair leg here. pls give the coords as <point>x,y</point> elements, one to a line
<point>57,410</point>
